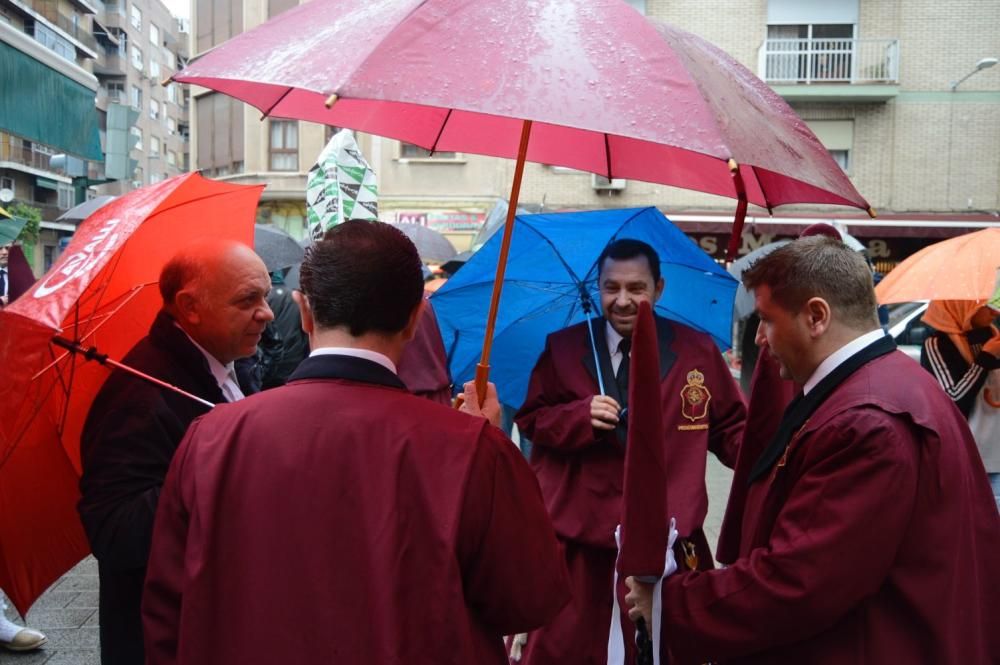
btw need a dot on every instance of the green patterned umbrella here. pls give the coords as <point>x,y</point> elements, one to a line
<point>341,186</point>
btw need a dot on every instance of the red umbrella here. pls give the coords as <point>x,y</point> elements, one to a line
<point>102,293</point>
<point>588,84</point>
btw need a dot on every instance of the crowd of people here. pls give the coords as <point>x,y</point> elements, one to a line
<point>347,513</point>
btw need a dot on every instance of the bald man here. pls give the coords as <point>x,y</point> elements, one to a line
<point>214,311</point>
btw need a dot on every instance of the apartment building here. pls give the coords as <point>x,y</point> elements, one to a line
<point>47,109</point>
<point>83,112</point>
<point>143,45</point>
<point>875,80</point>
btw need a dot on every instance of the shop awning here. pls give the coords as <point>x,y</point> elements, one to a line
<point>29,88</point>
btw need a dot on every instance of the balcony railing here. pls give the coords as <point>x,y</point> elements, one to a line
<point>17,150</point>
<point>829,61</point>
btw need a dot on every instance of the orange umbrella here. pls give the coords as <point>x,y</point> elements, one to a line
<point>962,268</point>
<point>102,292</point>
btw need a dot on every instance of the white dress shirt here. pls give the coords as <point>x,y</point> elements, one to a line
<point>836,358</point>
<point>225,375</point>
<point>614,339</point>
<point>373,356</point>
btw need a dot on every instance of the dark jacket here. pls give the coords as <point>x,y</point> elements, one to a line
<point>960,379</point>
<point>128,440</point>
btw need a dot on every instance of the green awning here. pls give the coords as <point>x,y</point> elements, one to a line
<point>10,229</point>
<point>42,105</point>
<point>45,183</point>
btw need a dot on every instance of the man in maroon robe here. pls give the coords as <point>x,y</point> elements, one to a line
<point>869,532</point>
<point>578,439</point>
<point>341,519</point>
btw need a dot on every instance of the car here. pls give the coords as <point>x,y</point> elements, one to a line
<point>907,328</point>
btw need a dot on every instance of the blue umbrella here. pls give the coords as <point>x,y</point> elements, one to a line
<point>552,272</point>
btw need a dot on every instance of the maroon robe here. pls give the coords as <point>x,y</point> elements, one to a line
<point>874,539</point>
<point>581,469</point>
<point>423,366</point>
<point>340,519</point>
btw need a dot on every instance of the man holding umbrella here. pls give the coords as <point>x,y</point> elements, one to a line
<point>578,433</point>
<point>214,311</point>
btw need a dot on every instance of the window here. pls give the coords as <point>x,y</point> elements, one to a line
<point>154,109</point>
<point>116,91</point>
<point>154,35</point>
<point>65,196</point>
<point>172,93</point>
<point>154,149</point>
<point>410,151</point>
<point>171,126</point>
<point>154,68</point>
<point>284,145</point>
<point>122,38</point>
<point>136,17</point>
<point>7,183</point>
<point>137,135</point>
<point>837,136</point>
<point>172,157</point>
<point>136,98</point>
<point>155,178</point>
<point>137,57</point>
<point>139,180</point>
<point>169,59</point>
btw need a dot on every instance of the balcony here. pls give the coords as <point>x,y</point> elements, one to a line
<point>848,70</point>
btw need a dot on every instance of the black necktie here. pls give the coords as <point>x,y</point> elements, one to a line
<point>621,376</point>
<point>3,281</point>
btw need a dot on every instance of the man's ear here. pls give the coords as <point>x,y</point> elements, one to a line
<point>819,314</point>
<point>411,324</point>
<point>305,313</point>
<point>658,291</point>
<point>186,307</point>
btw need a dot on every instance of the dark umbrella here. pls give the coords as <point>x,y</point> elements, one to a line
<point>431,245</point>
<point>84,210</point>
<point>453,265</point>
<point>276,248</point>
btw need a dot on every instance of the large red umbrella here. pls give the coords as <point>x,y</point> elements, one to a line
<point>588,84</point>
<point>101,293</point>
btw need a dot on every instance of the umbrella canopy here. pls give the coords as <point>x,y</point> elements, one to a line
<point>553,256</point>
<point>431,245</point>
<point>961,268</point>
<point>84,210</point>
<point>277,249</point>
<point>101,292</point>
<point>608,90</point>
<point>10,229</point>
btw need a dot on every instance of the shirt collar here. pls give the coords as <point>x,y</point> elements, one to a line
<point>839,356</point>
<point>219,371</point>
<point>366,354</point>
<point>614,339</point>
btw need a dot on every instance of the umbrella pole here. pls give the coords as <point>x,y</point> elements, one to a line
<point>585,303</point>
<point>741,211</point>
<point>483,368</point>
<point>92,354</point>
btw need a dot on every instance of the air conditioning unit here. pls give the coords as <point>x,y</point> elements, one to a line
<point>599,182</point>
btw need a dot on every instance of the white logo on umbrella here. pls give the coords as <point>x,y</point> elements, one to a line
<point>81,262</point>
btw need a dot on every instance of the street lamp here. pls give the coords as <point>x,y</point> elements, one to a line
<point>985,63</point>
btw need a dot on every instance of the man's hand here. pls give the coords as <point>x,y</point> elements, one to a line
<point>490,408</point>
<point>604,412</point>
<point>639,600</point>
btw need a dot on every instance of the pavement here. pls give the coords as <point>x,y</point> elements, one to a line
<point>67,612</point>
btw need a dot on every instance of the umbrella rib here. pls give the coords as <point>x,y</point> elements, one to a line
<point>270,108</point>
<point>607,155</point>
<point>440,132</point>
<point>614,236</point>
<point>767,201</point>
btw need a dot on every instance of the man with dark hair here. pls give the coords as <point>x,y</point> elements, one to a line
<point>578,438</point>
<point>341,519</point>
<point>869,533</point>
<point>213,313</point>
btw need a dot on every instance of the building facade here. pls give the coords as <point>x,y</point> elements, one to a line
<point>72,71</point>
<point>874,80</point>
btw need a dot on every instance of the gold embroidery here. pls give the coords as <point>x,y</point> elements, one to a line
<point>690,554</point>
<point>695,396</point>
<point>688,428</point>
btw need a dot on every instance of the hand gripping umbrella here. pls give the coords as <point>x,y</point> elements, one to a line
<point>587,84</point>
<point>100,293</point>
<point>645,538</point>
